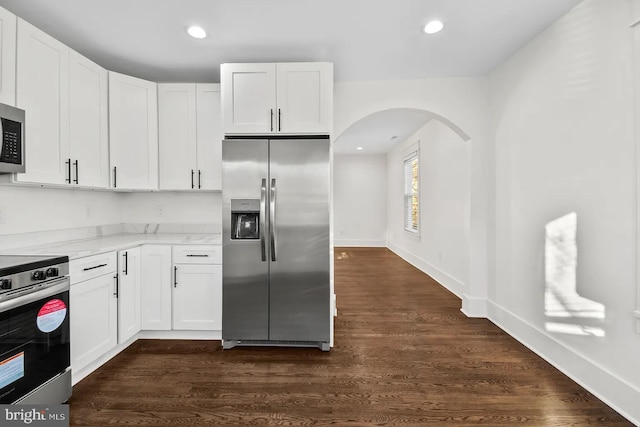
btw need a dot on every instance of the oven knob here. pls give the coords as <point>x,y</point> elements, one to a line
<point>52,272</point>
<point>5,284</point>
<point>38,275</point>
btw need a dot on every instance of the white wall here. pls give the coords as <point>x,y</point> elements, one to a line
<point>31,209</point>
<point>441,249</point>
<point>563,114</point>
<point>360,199</point>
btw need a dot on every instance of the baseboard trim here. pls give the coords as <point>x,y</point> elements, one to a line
<point>474,307</point>
<point>360,243</point>
<point>590,375</point>
<point>445,279</point>
<point>180,335</point>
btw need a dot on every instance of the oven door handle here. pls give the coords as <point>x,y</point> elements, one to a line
<point>55,287</point>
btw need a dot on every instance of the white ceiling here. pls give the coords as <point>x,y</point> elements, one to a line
<point>365,39</point>
<point>381,131</point>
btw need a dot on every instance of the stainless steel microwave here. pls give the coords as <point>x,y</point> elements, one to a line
<point>12,156</point>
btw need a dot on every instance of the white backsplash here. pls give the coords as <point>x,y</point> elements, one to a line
<point>21,240</point>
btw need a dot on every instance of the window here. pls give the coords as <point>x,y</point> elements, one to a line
<point>411,193</point>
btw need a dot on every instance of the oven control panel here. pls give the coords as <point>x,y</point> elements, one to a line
<point>12,282</point>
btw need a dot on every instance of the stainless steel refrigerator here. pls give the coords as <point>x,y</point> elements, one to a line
<point>275,223</point>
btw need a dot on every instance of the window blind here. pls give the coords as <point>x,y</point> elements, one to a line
<point>411,193</point>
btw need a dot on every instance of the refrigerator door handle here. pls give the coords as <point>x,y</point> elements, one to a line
<point>272,218</point>
<point>263,213</point>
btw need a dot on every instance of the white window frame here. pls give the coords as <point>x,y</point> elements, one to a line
<point>413,154</point>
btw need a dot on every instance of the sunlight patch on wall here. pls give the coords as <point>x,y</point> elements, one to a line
<point>567,312</point>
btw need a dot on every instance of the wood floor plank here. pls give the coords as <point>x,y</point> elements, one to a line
<point>404,355</point>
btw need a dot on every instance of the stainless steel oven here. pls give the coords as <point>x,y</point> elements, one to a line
<point>34,330</point>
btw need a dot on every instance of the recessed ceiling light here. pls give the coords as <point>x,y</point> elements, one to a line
<point>433,27</point>
<point>196,32</point>
<point>359,148</point>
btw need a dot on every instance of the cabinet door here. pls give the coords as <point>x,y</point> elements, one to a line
<point>177,136</point>
<point>43,92</point>
<point>88,121</point>
<point>133,132</point>
<point>128,294</point>
<point>209,136</point>
<point>155,291</point>
<point>197,297</point>
<point>7,57</point>
<point>248,98</point>
<point>94,322</point>
<point>305,97</point>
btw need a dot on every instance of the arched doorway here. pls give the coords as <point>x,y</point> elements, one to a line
<point>368,190</point>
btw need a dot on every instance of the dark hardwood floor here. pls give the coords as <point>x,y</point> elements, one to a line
<point>404,355</point>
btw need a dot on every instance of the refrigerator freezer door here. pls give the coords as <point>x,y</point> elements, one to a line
<point>245,293</point>
<point>299,240</point>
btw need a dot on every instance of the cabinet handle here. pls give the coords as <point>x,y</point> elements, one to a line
<point>76,165</point>
<point>175,276</point>
<point>117,286</point>
<point>192,179</point>
<point>271,120</point>
<point>198,255</point>
<point>94,267</point>
<point>68,163</point>
<point>279,121</point>
<point>115,177</point>
<point>199,179</point>
<point>126,263</point>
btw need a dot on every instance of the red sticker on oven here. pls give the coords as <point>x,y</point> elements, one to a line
<point>51,315</point>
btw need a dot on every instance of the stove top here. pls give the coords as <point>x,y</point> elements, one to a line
<point>13,264</point>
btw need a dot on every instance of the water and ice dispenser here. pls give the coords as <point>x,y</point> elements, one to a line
<point>245,219</point>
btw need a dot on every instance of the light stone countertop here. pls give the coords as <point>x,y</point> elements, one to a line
<point>75,249</point>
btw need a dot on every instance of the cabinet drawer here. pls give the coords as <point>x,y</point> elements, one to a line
<point>197,254</point>
<point>93,266</point>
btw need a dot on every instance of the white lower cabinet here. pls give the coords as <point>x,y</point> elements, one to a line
<point>116,295</point>
<point>155,290</point>
<point>185,295</point>
<point>93,309</point>
<point>128,293</point>
<point>197,292</point>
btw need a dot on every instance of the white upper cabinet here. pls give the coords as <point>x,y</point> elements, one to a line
<point>133,132</point>
<point>248,98</point>
<point>177,136</point>
<point>209,135</point>
<point>285,98</point>
<point>7,57</point>
<point>43,92</point>
<point>64,96</point>
<point>88,122</point>
<point>190,136</point>
<point>304,97</point>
